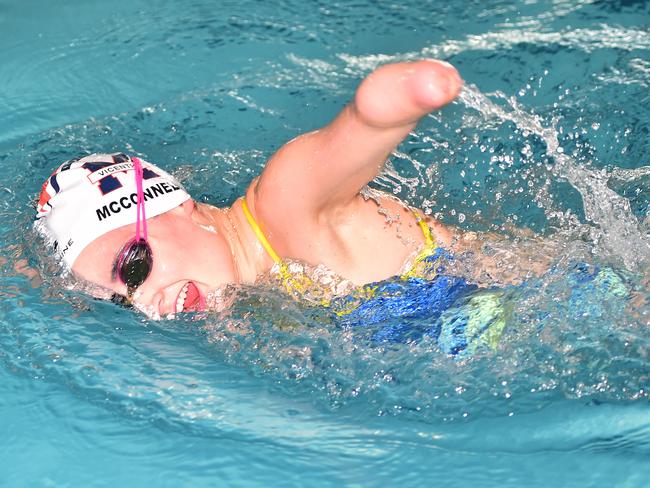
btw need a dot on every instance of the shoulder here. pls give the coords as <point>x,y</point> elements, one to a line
<point>411,216</point>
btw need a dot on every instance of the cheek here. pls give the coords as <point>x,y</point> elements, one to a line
<point>211,257</point>
<point>202,257</point>
<point>221,262</point>
<point>169,262</point>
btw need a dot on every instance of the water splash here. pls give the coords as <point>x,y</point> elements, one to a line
<point>619,232</point>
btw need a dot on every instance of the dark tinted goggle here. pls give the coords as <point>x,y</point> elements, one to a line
<point>135,261</point>
<point>134,264</point>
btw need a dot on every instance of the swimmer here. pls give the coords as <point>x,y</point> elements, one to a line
<point>127,226</point>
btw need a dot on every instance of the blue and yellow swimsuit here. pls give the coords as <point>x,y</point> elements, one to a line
<point>421,302</point>
<point>424,302</point>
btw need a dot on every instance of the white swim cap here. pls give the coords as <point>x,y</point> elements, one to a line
<point>88,197</point>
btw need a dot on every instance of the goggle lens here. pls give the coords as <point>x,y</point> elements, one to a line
<point>134,264</point>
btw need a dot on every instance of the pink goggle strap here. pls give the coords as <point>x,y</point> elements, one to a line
<point>141,216</point>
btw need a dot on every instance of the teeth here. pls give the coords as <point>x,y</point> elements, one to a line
<point>180,301</point>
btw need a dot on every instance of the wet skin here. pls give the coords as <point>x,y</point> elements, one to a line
<point>307,202</point>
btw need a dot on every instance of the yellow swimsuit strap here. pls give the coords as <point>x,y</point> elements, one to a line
<point>428,250</point>
<point>290,282</point>
<point>258,232</point>
<point>429,240</point>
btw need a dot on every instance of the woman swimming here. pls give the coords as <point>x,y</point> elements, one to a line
<point>306,206</point>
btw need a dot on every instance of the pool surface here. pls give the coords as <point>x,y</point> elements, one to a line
<point>549,141</point>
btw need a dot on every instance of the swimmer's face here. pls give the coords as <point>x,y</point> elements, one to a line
<point>189,261</point>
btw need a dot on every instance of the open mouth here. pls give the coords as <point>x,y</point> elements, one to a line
<point>190,299</point>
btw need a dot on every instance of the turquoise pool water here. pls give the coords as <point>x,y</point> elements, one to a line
<point>551,134</point>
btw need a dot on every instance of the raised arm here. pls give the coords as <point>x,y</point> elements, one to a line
<point>327,168</point>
